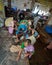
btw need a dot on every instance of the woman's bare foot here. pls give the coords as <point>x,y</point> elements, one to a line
<point>17,58</point>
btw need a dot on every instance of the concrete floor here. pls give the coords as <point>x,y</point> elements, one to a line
<point>40,57</point>
<point>6,57</point>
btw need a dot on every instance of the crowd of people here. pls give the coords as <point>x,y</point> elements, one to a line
<point>24,32</point>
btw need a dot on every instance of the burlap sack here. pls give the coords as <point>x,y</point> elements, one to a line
<point>14,48</point>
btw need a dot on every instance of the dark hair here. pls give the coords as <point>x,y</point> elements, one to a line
<point>21,30</point>
<point>32,26</point>
<point>15,18</point>
<point>28,41</point>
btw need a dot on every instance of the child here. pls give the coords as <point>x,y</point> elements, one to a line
<point>29,49</point>
<point>25,46</point>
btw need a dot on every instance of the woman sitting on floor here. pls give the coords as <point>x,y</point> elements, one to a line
<point>26,47</point>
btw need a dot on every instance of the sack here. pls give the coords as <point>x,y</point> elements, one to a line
<point>14,48</point>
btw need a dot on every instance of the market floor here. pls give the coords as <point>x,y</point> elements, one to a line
<point>6,57</point>
<point>40,57</point>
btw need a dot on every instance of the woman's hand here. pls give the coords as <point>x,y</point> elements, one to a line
<point>33,31</point>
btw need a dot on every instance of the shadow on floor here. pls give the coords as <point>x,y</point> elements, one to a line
<point>41,56</point>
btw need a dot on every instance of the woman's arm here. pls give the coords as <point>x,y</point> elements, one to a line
<point>26,55</point>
